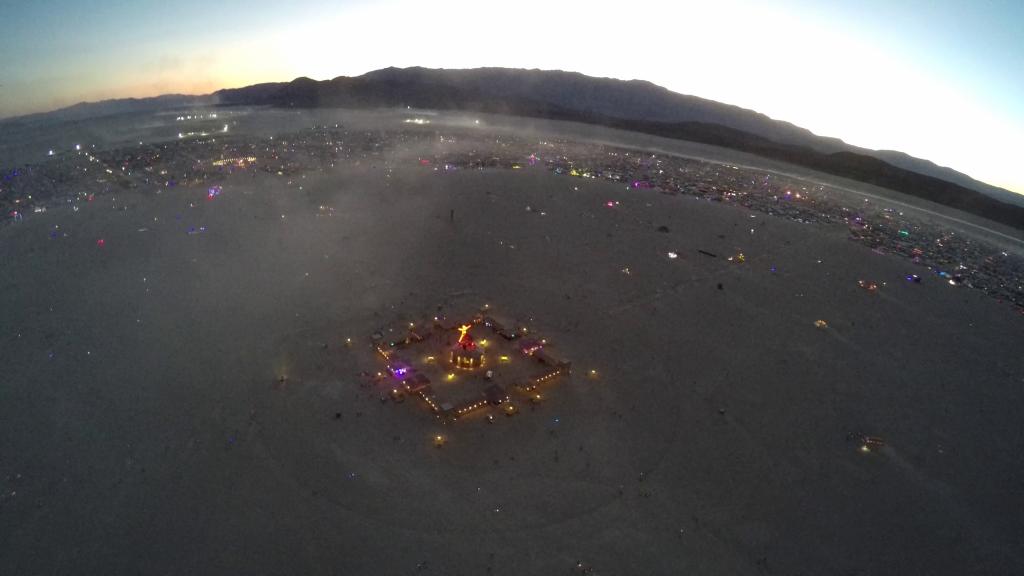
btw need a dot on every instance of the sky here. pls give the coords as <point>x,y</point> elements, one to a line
<point>937,79</point>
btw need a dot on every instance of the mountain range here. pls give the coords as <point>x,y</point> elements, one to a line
<point>634,105</point>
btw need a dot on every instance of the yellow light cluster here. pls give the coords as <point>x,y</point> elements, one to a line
<point>471,407</point>
<point>738,258</point>
<point>465,363</point>
<point>429,399</point>
<point>547,377</point>
<point>236,161</point>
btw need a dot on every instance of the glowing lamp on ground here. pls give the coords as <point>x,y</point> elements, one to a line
<point>530,347</point>
<point>871,443</point>
<point>867,285</point>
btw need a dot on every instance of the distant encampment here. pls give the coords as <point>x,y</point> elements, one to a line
<point>634,105</point>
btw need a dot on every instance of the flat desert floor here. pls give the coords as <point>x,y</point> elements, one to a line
<point>146,429</point>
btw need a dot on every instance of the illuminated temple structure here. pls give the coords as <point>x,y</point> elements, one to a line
<point>456,374</point>
<point>465,355</point>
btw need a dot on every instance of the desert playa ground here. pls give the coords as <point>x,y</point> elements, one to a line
<point>146,427</point>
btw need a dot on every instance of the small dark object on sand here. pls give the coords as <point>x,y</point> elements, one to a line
<point>337,415</point>
<point>706,253</point>
<point>663,229</point>
<point>720,286</point>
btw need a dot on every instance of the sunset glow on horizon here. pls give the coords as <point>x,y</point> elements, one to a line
<point>937,80</point>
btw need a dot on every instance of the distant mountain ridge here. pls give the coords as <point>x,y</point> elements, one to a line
<point>84,110</point>
<point>632,99</point>
<point>635,105</point>
<point>639,106</point>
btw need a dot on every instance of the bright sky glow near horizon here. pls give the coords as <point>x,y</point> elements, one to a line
<point>941,80</point>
